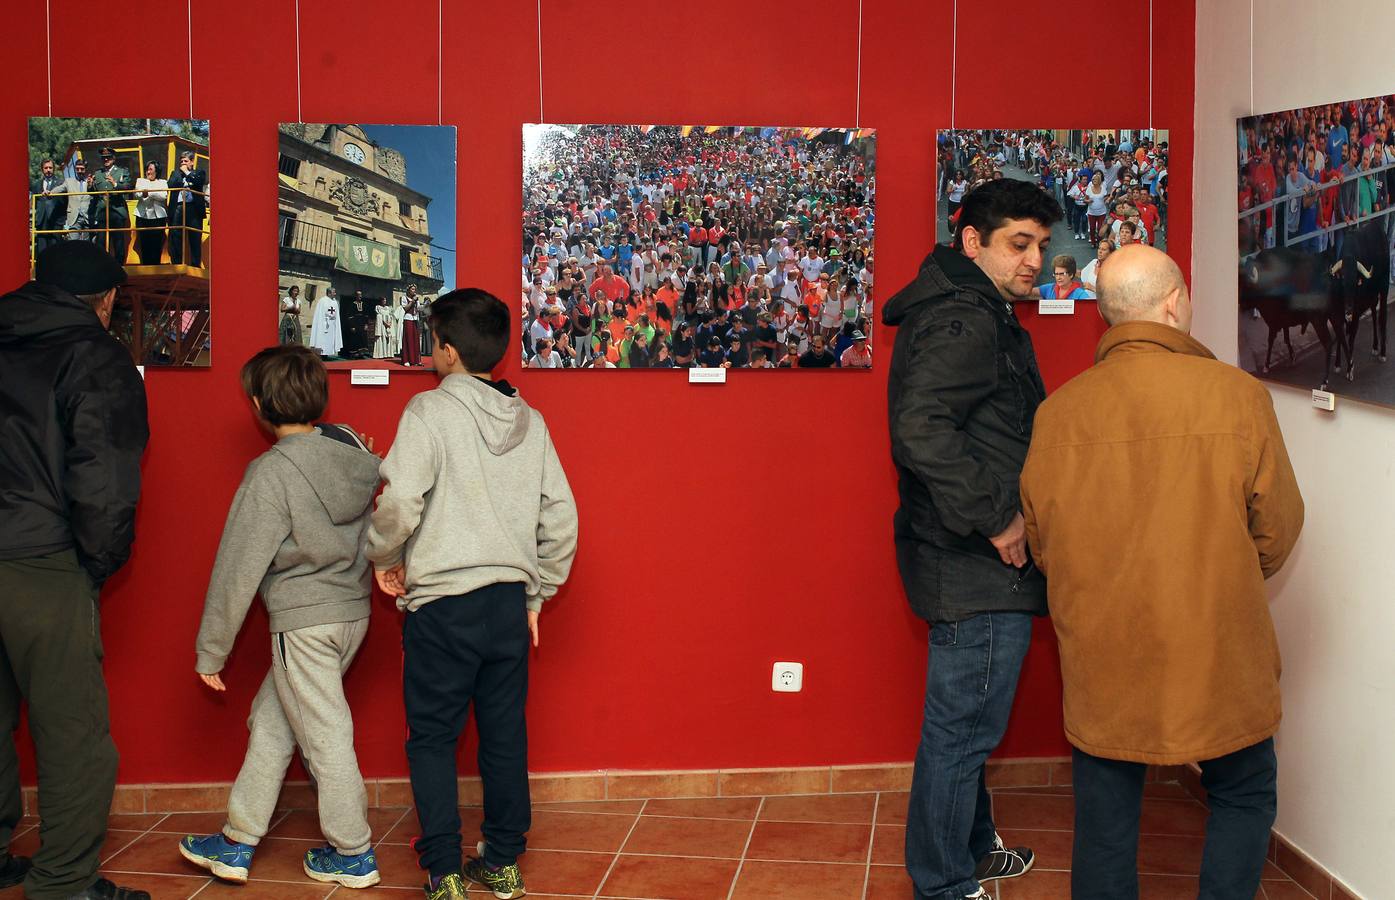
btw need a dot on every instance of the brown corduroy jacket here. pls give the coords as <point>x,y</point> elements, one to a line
<point>1158,497</point>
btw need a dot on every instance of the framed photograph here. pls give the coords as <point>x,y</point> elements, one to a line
<point>141,189</point>
<point>1313,228</point>
<point>697,246</point>
<point>366,240</point>
<point>1111,185</point>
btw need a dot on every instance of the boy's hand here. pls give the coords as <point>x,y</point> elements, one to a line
<point>532,626</point>
<point>367,440</point>
<point>214,681</point>
<point>393,581</point>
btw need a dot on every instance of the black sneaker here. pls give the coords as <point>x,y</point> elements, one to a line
<point>14,870</point>
<point>105,890</point>
<point>1004,862</point>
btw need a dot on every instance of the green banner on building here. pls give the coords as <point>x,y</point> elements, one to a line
<point>364,257</point>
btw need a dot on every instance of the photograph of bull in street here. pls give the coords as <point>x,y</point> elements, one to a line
<point>1111,183</point>
<point>1315,187</point>
<point>138,188</point>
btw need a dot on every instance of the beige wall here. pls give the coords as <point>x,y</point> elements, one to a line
<point>1332,603</point>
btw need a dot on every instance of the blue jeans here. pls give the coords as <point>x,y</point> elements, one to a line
<point>1108,801</point>
<point>970,682</point>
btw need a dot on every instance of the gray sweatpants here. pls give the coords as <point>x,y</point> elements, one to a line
<point>302,702</point>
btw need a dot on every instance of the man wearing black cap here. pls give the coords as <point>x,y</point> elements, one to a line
<point>74,428</point>
<point>108,211</point>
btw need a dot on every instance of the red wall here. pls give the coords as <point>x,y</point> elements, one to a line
<point>723,528</point>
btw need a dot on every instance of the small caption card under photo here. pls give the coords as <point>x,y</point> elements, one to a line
<point>1325,400</point>
<point>1056,307</point>
<point>707,376</point>
<point>375,377</point>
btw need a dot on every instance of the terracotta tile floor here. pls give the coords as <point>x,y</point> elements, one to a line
<point>839,846</point>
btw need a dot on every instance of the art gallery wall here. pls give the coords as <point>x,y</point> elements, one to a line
<point>1331,604</point>
<point>723,528</point>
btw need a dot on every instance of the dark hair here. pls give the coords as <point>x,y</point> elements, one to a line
<point>988,206</point>
<point>289,384</point>
<point>475,323</point>
<point>156,165</point>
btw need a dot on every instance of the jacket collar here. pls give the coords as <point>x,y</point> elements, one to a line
<point>945,273</point>
<point>1148,337</point>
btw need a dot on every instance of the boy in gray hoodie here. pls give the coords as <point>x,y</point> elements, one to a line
<point>475,528</point>
<point>295,534</point>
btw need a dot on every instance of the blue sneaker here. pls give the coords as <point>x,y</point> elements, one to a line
<point>224,858</point>
<point>329,865</point>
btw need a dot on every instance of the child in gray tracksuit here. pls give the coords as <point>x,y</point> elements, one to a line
<point>295,534</point>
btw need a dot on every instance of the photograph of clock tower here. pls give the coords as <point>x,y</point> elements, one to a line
<point>366,238</point>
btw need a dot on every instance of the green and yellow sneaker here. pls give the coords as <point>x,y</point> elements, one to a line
<point>505,881</point>
<point>448,888</point>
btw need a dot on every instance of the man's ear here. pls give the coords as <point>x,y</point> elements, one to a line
<point>1171,304</point>
<point>972,241</point>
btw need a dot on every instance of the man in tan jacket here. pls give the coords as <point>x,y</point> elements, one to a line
<point>1158,496</point>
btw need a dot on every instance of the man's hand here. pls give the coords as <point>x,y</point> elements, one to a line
<point>214,681</point>
<point>533,625</point>
<point>394,581</point>
<point>1012,543</point>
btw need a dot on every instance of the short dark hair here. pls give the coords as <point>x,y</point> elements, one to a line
<point>988,206</point>
<point>289,384</point>
<point>475,323</point>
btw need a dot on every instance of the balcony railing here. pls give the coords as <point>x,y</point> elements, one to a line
<point>93,222</point>
<point>316,240</point>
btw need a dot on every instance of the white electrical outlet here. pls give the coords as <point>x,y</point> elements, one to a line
<point>787,677</point>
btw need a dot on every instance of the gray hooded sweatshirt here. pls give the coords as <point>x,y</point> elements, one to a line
<point>295,534</point>
<point>473,495</point>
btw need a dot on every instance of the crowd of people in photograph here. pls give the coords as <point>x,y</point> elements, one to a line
<point>1109,188</point>
<point>669,247</point>
<point>1300,173</point>
<point>96,206</point>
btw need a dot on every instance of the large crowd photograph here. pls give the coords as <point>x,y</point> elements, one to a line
<point>139,189</point>
<point>1111,185</point>
<point>1315,189</point>
<point>365,239</point>
<point>667,246</point>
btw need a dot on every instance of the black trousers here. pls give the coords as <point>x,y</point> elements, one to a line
<point>51,657</point>
<point>118,239</point>
<point>150,240</point>
<point>1243,798</point>
<point>186,234</point>
<point>454,650</point>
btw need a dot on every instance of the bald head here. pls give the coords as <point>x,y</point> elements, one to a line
<point>1140,283</point>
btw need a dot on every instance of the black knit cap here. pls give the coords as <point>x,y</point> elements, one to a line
<point>78,267</point>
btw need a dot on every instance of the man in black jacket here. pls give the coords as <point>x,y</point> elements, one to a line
<point>188,205</point>
<point>963,388</point>
<point>72,431</point>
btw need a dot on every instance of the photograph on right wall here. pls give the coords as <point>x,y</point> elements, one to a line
<point>1111,183</point>
<point>1313,213</point>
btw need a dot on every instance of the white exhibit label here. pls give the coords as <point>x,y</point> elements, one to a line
<point>707,376</point>
<point>141,370</point>
<point>1324,400</point>
<point>369,376</point>
<point>1056,307</point>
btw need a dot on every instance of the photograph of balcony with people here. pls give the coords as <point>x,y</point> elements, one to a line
<point>366,240</point>
<point>139,188</point>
